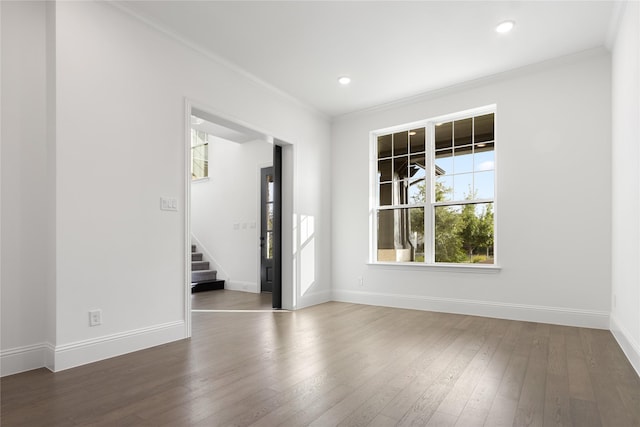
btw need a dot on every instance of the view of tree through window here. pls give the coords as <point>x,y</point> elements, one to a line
<point>435,192</point>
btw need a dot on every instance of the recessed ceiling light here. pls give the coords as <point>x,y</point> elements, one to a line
<point>505,27</point>
<point>344,80</point>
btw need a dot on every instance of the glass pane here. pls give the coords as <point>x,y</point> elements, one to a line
<point>200,161</point>
<point>416,234</point>
<point>400,143</point>
<point>464,233</point>
<point>448,244</point>
<point>483,161</point>
<point>444,162</point>
<point>384,170</point>
<point>444,188</point>
<point>194,137</point>
<point>484,234</point>
<point>417,166</point>
<point>416,140</point>
<point>484,185</point>
<point>463,160</point>
<point>401,167</point>
<point>385,194</point>
<point>400,192</point>
<point>198,137</point>
<point>444,135</point>
<point>269,188</point>
<point>483,128</point>
<point>385,231</point>
<point>384,146</point>
<point>462,186</point>
<point>269,245</point>
<point>417,192</point>
<point>269,216</point>
<point>401,235</point>
<point>483,146</point>
<point>462,131</point>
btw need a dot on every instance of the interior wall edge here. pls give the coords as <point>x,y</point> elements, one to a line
<point>314,298</point>
<point>625,340</point>
<point>22,359</point>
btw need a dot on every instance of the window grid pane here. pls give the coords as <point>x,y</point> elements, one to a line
<point>400,235</point>
<point>464,233</point>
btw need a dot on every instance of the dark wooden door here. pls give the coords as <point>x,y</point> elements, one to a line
<point>276,296</point>
<point>266,229</point>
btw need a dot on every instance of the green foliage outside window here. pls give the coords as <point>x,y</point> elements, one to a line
<point>463,233</point>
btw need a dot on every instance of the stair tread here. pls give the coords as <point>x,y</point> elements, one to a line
<point>199,265</point>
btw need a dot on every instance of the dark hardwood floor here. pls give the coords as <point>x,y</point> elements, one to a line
<point>342,364</point>
<point>225,299</point>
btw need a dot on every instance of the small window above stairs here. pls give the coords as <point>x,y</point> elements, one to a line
<point>202,278</point>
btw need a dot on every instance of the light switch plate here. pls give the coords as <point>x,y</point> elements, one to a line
<point>168,203</point>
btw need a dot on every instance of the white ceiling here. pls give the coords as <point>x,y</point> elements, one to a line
<point>390,49</point>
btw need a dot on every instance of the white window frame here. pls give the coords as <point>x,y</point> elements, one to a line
<point>429,206</point>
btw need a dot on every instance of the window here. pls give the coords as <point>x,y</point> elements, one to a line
<point>434,198</point>
<point>199,154</point>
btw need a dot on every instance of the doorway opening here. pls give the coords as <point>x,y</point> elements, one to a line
<point>224,218</point>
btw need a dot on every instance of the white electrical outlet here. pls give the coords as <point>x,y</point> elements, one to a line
<point>95,317</point>
<point>360,281</point>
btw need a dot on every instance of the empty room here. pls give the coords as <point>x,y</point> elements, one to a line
<point>415,213</point>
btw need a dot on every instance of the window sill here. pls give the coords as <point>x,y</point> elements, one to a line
<point>457,268</point>
<point>203,179</point>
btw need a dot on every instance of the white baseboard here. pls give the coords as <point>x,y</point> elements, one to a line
<point>21,359</point>
<point>45,355</point>
<point>241,286</point>
<point>629,346</point>
<point>314,298</point>
<point>82,352</point>
<point>554,315</point>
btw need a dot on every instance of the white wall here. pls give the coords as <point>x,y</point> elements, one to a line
<point>26,175</point>
<point>230,197</point>
<point>553,195</point>
<point>119,125</point>
<point>625,314</point>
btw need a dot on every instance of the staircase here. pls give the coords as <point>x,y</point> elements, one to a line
<point>203,279</point>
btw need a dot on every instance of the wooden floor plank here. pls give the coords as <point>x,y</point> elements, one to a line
<point>585,413</point>
<point>462,391</point>
<point>580,387</point>
<point>557,404</point>
<point>530,410</point>
<point>341,364</point>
